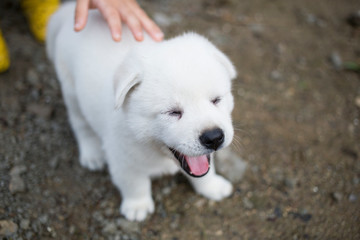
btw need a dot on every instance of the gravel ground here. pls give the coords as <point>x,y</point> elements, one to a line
<point>297,118</point>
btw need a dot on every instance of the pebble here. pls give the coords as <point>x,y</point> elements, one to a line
<point>200,203</point>
<point>7,227</point>
<point>247,203</point>
<point>72,229</point>
<point>33,78</point>
<point>17,170</point>
<point>257,29</point>
<point>352,197</point>
<point>357,101</point>
<point>354,19</point>
<point>110,228</point>
<point>109,212</point>
<point>54,162</point>
<point>17,184</point>
<point>40,110</point>
<point>337,196</point>
<point>127,226</point>
<point>312,19</point>
<point>336,60</point>
<point>291,182</point>
<point>229,164</point>
<point>275,75</point>
<point>175,222</point>
<point>43,219</point>
<point>305,217</point>
<point>24,224</point>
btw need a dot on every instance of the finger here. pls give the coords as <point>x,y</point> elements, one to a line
<point>149,25</point>
<point>134,24</point>
<point>81,14</point>
<point>154,31</point>
<point>114,21</point>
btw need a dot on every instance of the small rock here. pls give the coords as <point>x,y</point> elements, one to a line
<point>175,222</point>
<point>336,60</point>
<point>17,184</point>
<point>72,229</point>
<point>229,164</point>
<point>305,217</point>
<point>275,75</point>
<point>278,212</point>
<point>354,19</point>
<point>257,29</point>
<point>109,212</point>
<point>356,180</point>
<point>54,162</point>
<point>43,219</point>
<point>17,170</point>
<point>247,203</point>
<point>40,110</point>
<point>128,226</point>
<point>312,19</point>
<point>200,203</point>
<point>352,197</point>
<point>219,233</point>
<point>33,78</point>
<point>24,224</point>
<point>110,228</point>
<point>357,101</point>
<point>166,190</point>
<point>7,227</point>
<point>337,196</point>
<point>290,182</point>
<point>98,216</point>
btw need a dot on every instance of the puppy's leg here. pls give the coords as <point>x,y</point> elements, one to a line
<point>91,154</point>
<point>212,186</point>
<point>90,147</point>
<point>135,189</point>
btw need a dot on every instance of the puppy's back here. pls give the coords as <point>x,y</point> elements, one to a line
<point>57,20</point>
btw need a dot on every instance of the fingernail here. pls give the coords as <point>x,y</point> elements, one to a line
<point>117,37</point>
<point>139,36</point>
<point>77,25</point>
<point>159,36</point>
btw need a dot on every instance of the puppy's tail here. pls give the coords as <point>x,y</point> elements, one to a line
<point>54,26</point>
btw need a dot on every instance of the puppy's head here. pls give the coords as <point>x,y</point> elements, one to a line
<point>177,94</point>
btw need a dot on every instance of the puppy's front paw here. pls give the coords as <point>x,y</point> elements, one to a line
<point>137,209</point>
<point>216,188</point>
<point>92,163</point>
<point>92,158</point>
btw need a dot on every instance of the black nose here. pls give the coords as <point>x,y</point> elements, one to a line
<point>212,139</point>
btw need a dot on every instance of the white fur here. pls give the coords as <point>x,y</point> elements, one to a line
<point>119,97</point>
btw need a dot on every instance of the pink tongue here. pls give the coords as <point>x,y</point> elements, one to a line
<point>198,165</point>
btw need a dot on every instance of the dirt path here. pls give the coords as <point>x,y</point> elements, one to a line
<point>297,117</point>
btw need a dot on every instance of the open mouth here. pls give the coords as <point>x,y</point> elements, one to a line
<point>194,166</point>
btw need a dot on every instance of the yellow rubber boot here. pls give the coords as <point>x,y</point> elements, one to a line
<point>38,13</point>
<point>4,55</point>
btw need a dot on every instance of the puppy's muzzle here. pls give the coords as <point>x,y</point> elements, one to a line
<point>212,139</point>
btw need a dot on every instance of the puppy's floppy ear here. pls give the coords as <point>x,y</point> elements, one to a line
<point>225,61</point>
<point>126,78</point>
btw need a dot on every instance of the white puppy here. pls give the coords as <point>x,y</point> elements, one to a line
<point>144,109</point>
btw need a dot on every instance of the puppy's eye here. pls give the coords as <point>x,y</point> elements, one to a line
<point>216,100</point>
<point>175,113</point>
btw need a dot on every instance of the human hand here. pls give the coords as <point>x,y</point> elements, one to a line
<point>115,12</point>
